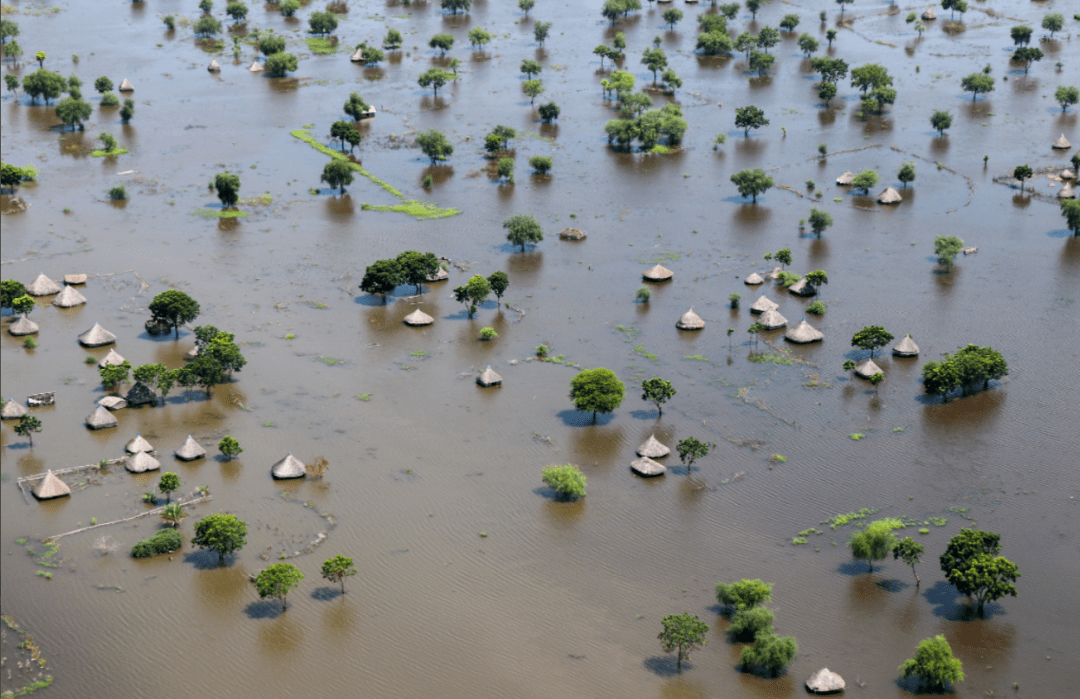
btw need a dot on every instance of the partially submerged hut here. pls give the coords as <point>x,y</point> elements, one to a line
<point>802,288</point>
<point>100,419</point>
<point>126,86</point>
<point>418,317</point>
<point>190,450</point>
<point>653,449</point>
<point>1067,174</point>
<point>906,348</point>
<point>141,394</point>
<point>763,305</point>
<point>214,66</point>
<point>191,354</point>
<point>51,487</point>
<point>69,298</point>
<point>803,334</point>
<point>1067,192</point>
<point>113,358</point>
<point>754,279</point>
<point>690,321</point>
<point>889,196</point>
<point>42,286</point>
<point>75,278</point>
<point>657,273</point>
<point>137,444</point>
<point>23,326</point>
<point>358,56</point>
<point>772,320</point>
<point>647,467</point>
<point>440,276</point>
<point>1062,143</point>
<point>12,410</point>
<point>112,403</point>
<point>774,273</point>
<point>489,378</point>
<point>256,67</point>
<point>97,336</point>
<point>289,467</point>
<point>572,234</point>
<point>929,14</point>
<point>825,681</point>
<point>868,369</point>
<point>847,178</point>
<point>141,463</point>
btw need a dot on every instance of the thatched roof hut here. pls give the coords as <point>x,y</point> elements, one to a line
<point>657,273</point>
<point>190,450</point>
<point>97,336</point>
<point>112,403</point>
<point>138,443</point>
<point>889,196</point>
<point>647,467</point>
<point>653,449</point>
<point>214,66</point>
<point>51,487</point>
<point>772,320</point>
<point>868,369</point>
<point>358,56</point>
<point>101,419</point>
<point>1067,174</point>
<point>690,321</point>
<point>906,348</point>
<point>774,273</point>
<point>763,305</point>
<point>126,86</point>
<point>803,334</point>
<point>69,298</point>
<point>754,279</point>
<point>12,410</point>
<point>141,394</point>
<point>847,178</point>
<point>825,682</point>
<point>141,463</point>
<point>42,286</point>
<point>418,317</point>
<point>289,467</point>
<point>439,276</point>
<point>1067,192</point>
<point>802,288</point>
<point>929,14</point>
<point>191,354</point>
<point>113,358</point>
<point>1062,143</point>
<point>256,67</point>
<point>489,378</point>
<point>572,234</point>
<point>23,326</point>
<point>75,278</point>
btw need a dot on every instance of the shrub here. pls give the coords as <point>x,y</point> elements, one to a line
<point>541,350</point>
<point>643,294</point>
<point>540,163</point>
<point>770,652</point>
<point>568,481</point>
<point>427,182</point>
<point>164,541</point>
<point>749,624</point>
<point>118,193</point>
<point>488,334</point>
<point>109,100</point>
<point>816,308</point>
<point>30,343</point>
<point>734,299</point>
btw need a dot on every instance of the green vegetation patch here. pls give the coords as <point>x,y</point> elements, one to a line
<point>937,521</point>
<point>322,46</point>
<point>330,361</point>
<point>640,350</point>
<point>103,153</point>
<point>218,213</point>
<point>660,259</point>
<point>660,149</point>
<point>771,359</point>
<point>696,358</point>
<point>841,520</point>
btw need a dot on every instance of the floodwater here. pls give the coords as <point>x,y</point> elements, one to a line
<point>557,598</point>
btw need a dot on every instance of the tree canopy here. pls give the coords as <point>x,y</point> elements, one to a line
<point>382,277</point>
<point>597,391</point>
<point>657,391</point>
<point>871,338</point>
<point>933,665</point>
<point>174,308</point>
<point>749,117</point>
<point>277,581</point>
<point>416,267</point>
<point>221,533</point>
<point>875,541</point>
<point>338,568</point>
<point>522,229</point>
<point>744,594</point>
<point>682,633</point>
<point>435,145</point>
<point>751,183</point>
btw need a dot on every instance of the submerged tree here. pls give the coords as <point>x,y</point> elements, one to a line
<point>657,391</point>
<point>174,308</point>
<point>522,229</point>
<point>970,565</point>
<point>221,533</point>
<point>338,568</point>
<point>27,426</point>
<point>933,665</point>
<point>596,391</point>
<point>382,277</point>
<point>435,145</point>
<point>683,633</point>
<point>473,293</point>
<point>751,183</point>
<point>871,338</point>
<point>875,542</point>
<point>910,552</point>
<point>277,581</point>
<point>227,186</point>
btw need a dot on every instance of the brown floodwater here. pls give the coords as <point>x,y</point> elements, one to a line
<point>557,598</point>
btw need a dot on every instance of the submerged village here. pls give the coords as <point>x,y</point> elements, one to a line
<point>477,348</point>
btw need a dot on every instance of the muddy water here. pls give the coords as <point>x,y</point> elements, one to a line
<point>557,598</point>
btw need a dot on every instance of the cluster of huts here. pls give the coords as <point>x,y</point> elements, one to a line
<point>65,296</point>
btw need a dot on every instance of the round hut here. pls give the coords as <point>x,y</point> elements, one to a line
<point>51,487</point>
<point>440,276</point>
<point>126,86</point>
<point>12,410</point>
<point>489,378</point>
<point>113,358</point>
<point>214,66</point>
<point>802,288</point>
<point>906,348</point>
<point>825,682</point>
<point>100,419</point>
<point>42,286</point>
<point>140,394</point>
<point>1062,143</point>
<point>657,273</point>
<point>772,320</point>
<point>868,369</point>
<point>653,449</point>
<point>23,326</point>
<point>647,467</point>
<point>572,234</point>
<point>255,67</point>
<point>1066,192</point>
<point>846,179</point>
<point>289,467</point>
<point>138,444</point>
<point>418,317</point>
<point>190,450</point>
<point>75,278</point>
<point>141,463</point>
<point>774,273</point>
<point>803,334</point>
<point>889,196</point>
<point>69,298</point>
<point>763,305</point>
<point>754,279</point>
<point>96,336</point>
<point>690,321</point>
<point>112,403</point>
<point>358,56</point>
<point>929,14</point>
<point>1067,174</point>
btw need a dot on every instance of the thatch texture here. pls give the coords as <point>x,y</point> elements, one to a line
<point>572,234</point>
<point>906,348</point>
<point>358,56</point>
<point>113,358</point>
<point>774,273</point>
<point>772,320</point>
<point>653,449</point>
<point>112,403</point>
<point>929,14</point>
<point>141,394</point>
<point>1067,192</point>
<point>51,487</point>
<point>141,463</point>
<point>100,419</point>
<point>136,444</point>
<point>69,298</point>
<point>23,326</point>
<point>418,317</point>
<point>657,273</point>
<point>126,86</point>
<point>190,450</point>
<point>1067,174</point>
<point>847,178</point>
<point>256,67</point>
<point>690,321</point>
<point>214,66</point>
<point>825,682</point>
<point>1062,143</point>
<point>440,276</point>
<point>289,467</point>
<point>868,369</point>
<point>763,305</point>
<point>889,196</point>
<point>754,279</point>
<point>42,286</point>
<point>802,288</point>
<point>803,334</point>
<point>75,278</point>
<point>97,336</point>
<point>12,410</point>
<point>489,378</point>
<point>647,467</point>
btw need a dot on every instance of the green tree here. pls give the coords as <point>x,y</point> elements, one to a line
<point>657,391</point>
<point>341,131</point>
<point>393,40</point>
<point>434,145</point>
<point>832,70</point>
<point>206,26</point>
<point>12,82</point>
<point>712,43</point>
<point>322,22</point>
<point>23,305</point>
<point>1053,22</point>
<point>1066,95</point>
<point>941,120</point>
<point>112,375</point>
<point>103,84</point>
<point>683,632</point>
<point>227,186</point>
<point>883,96</point>
<point>830,36</point>
<point>434,78</point>
<point>10,289</point>
<point>237,10</point>
<point>8,30</point>
<point>946,248</point>
<point>1021,35</point>
<point>976,83</point>
<point>526,5</point>
<point>165,382</point>
<point>442,42</point>
<point>826,92</point>
<point>933,665</point>
<point>747,624</point>
<point>540,32</point>
<point>223,349</point>
<point>672,80</point>
<point>456,6</point>
<point>970,565</point>
<point>1070,209</point>
<point>597,391</point>
<point>355,106</point>
<point>338,568</point>
<point>229,447</point>
<point>290,7</point>
<point>865,180</point>
<point>522,229</point>
<point>169,482</point>
<point>816,278</point>
<point>221,533</point>
<point>205,371</point>
<point>206,5</point>
<point>174,308</point>
<point>567,481</point>
<point>770,652</point>
<point>1026,55</point>
<point>754,6</point>
<point>270,44</point>
<point>73,112</point>
<point>279,64</point>
<point>767,38</point>
<point>478,36</point>
<point>789,22</point>
<point>729,10</point>
<point>875,542</point>
<point>871,338</point>
<point>416,267</point>
<point>1022,172</point>
<point>337,173</point>
<point>906,173</point>
<point>745,594</point>
<point>672,17</point>
<point>540,163</point>
<point>841,3</point>
<point>939,378</point>
<point>870,77</point>
<point>172,514</point>
<point>499,282</point>
<point>819,221</point>
<point>127,111</point>
<point>807,44</point>
<point>749,117</point>
<point>382,277</point>
<point>277,581</point>
<point>761,62</point>
<point>533,88</point>
<point>147,374</point>
<point>473,293</point>
<point>504,169</point>
<point>108,142</point>
<point>910,552</point>
<point>691,449</point>
<point>751,183</point>
<point>27,426</point>
<point>655,60</point>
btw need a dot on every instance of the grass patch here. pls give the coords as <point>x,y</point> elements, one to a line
<point>365,397</point>
<point>696,358</point>
<point>419,353</point>
<point>857,436</point>
<point>269,424</point>
<point>629,330</point>
<point>771,359</point>
<point>322,46</point>
<point>32,687</point>
<point>937,521</point>
<point>660,149</point>
<point>778,459</point>
<point>330,361</point>
<point>104,153</point>
<point>261,200</point>
<point>640,350</point>
<point>841,520</point>
<point>798,541</point>
<point>217,213</point>
<point>660,259</point>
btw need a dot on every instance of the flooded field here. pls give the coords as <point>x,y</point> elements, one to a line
<point>473,581</point>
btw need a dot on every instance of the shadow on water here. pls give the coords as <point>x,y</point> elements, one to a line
<point>263,609</point>
<point>326,593</point>
<point>892,585</point>
<point>664,665</point>
<point>949,604</point>
<point>576,418</point>
<point>207,560</point>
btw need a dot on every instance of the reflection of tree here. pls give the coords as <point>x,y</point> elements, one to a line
<point>682,688</point>
<point>865,597</point>
<point>980,642</point>
<point>281,637</point>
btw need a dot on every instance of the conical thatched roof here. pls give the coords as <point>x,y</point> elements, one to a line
<point>75,278</point>
<point>23,326</point>
<point>906,348</point>
<point>802,288</point>
<point>573,234</point>
<point>140,394</point>
<point>763,305</point>
<point>190,450</point>
<point>137,444</point>
<point>1067,192</point>
<point>754,279</point>
<point>42,286</point>
<point>647,467</point>
<point>774,273</point>
<point>418,317</point>
<point>929,14</point>
<point>256,67</point>
<point>803,333</point>
<point>113,358</point>
<point>126,86</point>
<point>97,336</point>
<point>289,467</point>
<point>214,66</point>
<point>69,298</point>
<point>51,487</point>
<point>846,178</point>
<point>489,378</point>
<point>12,410</point>
<point>100,419</point>
<point>1067,174</point>
<point>690,321</point>
<point>191,354</point>
<point>358,56</point>
<point>868,369</point>
<point>440,276</point>
<point>1062,143</point>
<point>657,273</point>
<point>825,682</point>
<point>772,320</point>
<point>889,196</point>
<point>653,449</point>
<point>141,463</point>
<point>112,403</point>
